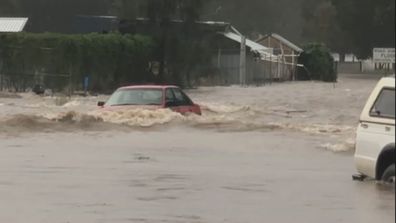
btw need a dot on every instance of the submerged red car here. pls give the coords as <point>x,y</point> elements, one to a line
<point>151,97</point>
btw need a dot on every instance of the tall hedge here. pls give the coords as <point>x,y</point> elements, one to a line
<point>318,62</point>
<point>109,60</point>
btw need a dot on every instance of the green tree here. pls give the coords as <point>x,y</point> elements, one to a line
<point>321,25</point>
<point>318,62</point>
<point>253,17</point>
<point>161,13</point>
<point>369,23</point>
<point>163,16</point>
<point>127,9</point>
<point>52,15</point>
<point>7,7</point>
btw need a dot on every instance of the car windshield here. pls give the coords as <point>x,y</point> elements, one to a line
<point>136,97</point>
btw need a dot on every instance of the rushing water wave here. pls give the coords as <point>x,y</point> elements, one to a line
<point>224,118</point>
<point>307,107</point>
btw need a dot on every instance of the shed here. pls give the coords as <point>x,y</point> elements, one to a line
<point>279,44</point>
<point>260,61</point>
<point>288,51</point>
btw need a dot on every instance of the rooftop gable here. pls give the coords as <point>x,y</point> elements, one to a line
<point>283,40</point>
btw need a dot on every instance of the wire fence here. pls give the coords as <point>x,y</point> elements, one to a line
<point>223,69</point>
<point>24,82</point>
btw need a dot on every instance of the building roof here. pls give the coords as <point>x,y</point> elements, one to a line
<point>11,25</point>
<point>94,24</point>
<point>283,40</point>
<point>147,87</point>
<point>211,26</point>
<point>265,52</point>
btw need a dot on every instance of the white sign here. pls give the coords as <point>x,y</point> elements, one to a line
<point>384,55</point>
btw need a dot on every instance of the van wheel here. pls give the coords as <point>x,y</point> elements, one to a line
<point>389,174</point>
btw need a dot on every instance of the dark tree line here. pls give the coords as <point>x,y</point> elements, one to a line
<point>368,23</point>
<point>344,25</point>
<point>52,15</point>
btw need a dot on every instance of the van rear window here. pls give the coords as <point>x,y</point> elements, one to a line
<point>384,106</point>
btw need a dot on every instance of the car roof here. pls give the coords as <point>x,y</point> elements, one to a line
<point>148,87</point>
<point>387,82</point>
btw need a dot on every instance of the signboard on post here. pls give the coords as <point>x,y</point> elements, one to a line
<point>384,55</point>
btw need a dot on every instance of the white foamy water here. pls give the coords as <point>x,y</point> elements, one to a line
<point>138,117</point>
<point>340,147</point>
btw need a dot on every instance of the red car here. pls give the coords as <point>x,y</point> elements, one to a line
<point>151,97</point>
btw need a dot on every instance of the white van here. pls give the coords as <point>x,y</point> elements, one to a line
<point>375,141</point>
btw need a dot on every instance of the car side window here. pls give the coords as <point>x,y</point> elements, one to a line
<point>169,95</point>
<point>384,106</point>
<point>181,98</point>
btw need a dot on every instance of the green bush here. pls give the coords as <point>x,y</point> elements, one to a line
<point>109,60</point>
<point>318,62</point>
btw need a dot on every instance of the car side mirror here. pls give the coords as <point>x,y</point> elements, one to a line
<point>101,103</point>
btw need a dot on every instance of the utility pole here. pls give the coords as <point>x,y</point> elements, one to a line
<point>1,72</point>
<point>70,80</point>
<point>270,76</point>
<point>242,62</point>
<point>1,75</point>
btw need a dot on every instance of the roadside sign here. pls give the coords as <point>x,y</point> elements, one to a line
<point>384,55</point>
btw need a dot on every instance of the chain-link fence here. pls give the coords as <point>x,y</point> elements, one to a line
<point>19,74</point>
<point>224,68</point>
<point>25,82</point>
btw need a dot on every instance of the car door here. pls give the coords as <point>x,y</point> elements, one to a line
<point>372,137</point>
<point>170,101</point>
<point>184,104</point>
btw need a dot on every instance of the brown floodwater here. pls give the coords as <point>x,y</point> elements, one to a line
<point>279,153</point>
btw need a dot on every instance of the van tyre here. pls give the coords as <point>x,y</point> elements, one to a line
<point>389,174</point>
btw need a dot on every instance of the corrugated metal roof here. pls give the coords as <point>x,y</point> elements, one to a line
<point>283,40</point>
<point>264,51</point>
<point>11,25</point>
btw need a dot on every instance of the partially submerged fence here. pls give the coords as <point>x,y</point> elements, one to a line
<point>259,70</point>
<point>64,63</point>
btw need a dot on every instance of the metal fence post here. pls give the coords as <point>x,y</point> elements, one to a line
<point>70,80</point>
<point>270,77</point>
<point>1,75</point>
<point>242,62</point>
<point>223,78</point>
